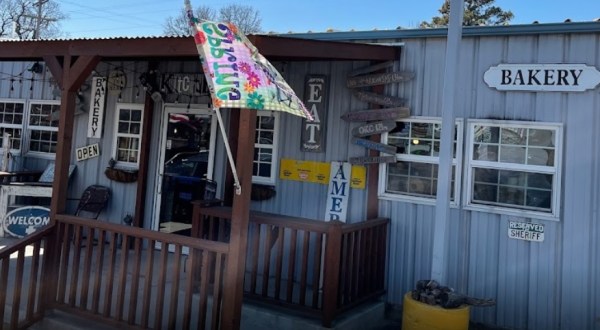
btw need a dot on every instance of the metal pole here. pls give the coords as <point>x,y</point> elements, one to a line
<point>442,208</point>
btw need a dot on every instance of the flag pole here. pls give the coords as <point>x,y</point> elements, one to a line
<point>236,183</point>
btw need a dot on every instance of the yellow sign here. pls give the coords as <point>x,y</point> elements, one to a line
<point>318,172</point>
<point>359,177</point>
<point>306,171</point>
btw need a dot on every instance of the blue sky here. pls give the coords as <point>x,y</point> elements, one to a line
<point>112,18</point>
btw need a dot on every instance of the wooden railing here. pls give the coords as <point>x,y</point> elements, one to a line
<point>314,267</point>
<point>22,277</point>
<point>114,272</point>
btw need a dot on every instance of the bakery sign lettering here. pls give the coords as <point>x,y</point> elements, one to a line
<point>542,77</point>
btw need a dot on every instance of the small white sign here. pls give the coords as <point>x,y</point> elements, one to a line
<point>542,77</point>
<point>338,191</point>
<point>527,231</point>
<point>96,112</point>
<point>87,152</point>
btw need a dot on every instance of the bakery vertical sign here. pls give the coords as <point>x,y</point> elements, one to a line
<point>315,100</point>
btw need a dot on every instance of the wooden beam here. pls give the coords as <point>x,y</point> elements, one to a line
<point>234,124</point>
<point>236,261</point>
<point>142,184</point>
<point>269,46</point>
<point>80,70</point>
<point>55,67</point>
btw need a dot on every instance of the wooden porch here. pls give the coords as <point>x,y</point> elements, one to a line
<point>114,274</point>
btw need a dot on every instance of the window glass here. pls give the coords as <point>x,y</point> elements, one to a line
<point>512,166</point>
<point>265,148</point>
<point>43,130</point>
<point>414,174</point>
<point>128,134</point>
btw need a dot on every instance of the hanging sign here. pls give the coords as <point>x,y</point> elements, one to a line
<point>542,77</point>
<point>526,231</point>
<point>388,101</point>
<point>375,146</point>
<point>338,192</point>
<point>378,79</point>
<point>315,100</point>
<point>96,112</point>
<point>87,152</point>
<point>376,114</point>
<point>117,80</point>
<point>372,160</point>
<point>26,220</point>
<point>373,128</point>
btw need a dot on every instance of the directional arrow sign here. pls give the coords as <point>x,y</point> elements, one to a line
<point>375,146</point>
<point>388,101</point>
<point>376,114</point>
<point>372,160</point>
<point>374,128</point>
<point>378,79</point>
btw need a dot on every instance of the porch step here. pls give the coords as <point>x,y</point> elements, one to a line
<point>56,319</point>
<point>366,316</point>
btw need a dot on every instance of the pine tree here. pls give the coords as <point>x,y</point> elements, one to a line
<point>477,12</point>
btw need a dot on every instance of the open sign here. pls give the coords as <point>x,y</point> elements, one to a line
<point>26,220</point>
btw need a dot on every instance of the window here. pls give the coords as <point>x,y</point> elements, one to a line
<point>43,132</point>
<point>128,134</point>
<point>513,168</point>
<point>265,148</point>
<point>414,174</point>
<point>11,122</point>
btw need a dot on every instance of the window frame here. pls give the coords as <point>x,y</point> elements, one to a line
<point>29,128</point>
<point>456,163</point>
<point>21,126</point>
<point>116,134</point>
<point>274,148</point>
<point>507,209</point>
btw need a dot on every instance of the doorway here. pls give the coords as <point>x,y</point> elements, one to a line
<point>185,168</point>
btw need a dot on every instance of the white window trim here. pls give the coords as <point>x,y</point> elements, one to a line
<point>15,126</point>
<point>118,107</point>
<point>456,162</point>
<point>26,138</point>
<point>507,210</point>
<point>275,156</point>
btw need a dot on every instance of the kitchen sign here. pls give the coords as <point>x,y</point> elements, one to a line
<point>315,99</point>
<point>96,115</point>
<point>526,231</point>
<point>542,77</point>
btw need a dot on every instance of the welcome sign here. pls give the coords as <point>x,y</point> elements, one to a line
<point>26,220</point>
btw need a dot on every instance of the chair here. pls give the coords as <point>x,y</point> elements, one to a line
<point>93,200</point>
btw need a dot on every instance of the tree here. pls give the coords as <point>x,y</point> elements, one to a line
<point>246,18</point>
<point>477,12</point>
<point>24,19</point>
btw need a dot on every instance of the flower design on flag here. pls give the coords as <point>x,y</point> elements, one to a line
<point>245,67</point>
<point>255,101</point>
<point>217,103</point>
<point>229,36</point>
<point>253,79</point>
<point>248,87</point>
<point>233,28</point>
<point>200,38</point>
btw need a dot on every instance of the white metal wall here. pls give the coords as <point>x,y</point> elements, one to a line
<point>550,285</point>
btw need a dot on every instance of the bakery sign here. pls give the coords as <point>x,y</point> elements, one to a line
<point>542,77</point>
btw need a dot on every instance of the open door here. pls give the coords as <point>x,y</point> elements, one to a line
<point>185,166</point>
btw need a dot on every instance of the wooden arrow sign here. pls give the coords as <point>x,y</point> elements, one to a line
<point>375,146</point>
<point>388,101</point>
<point>374,128</point>
<point>378,79</point>
<point>372,160</point>
<point>376,114</point>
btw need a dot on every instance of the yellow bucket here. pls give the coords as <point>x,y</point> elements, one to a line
<point>419,316</point>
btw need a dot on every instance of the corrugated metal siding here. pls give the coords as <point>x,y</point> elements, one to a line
<point>308,200</point>
<point>549,285</point>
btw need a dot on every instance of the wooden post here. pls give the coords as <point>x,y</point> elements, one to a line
<point>142,185</point>
<point>332,272</point>
<point>69,76</point>
<point>236,261</point>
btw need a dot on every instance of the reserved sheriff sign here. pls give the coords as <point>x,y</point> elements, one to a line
<point>542,77</point>
<point>526,231</point>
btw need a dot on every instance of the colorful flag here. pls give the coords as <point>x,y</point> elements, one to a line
<point>237,74</point>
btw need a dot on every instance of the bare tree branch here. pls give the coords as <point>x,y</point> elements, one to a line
<point>246,18</point>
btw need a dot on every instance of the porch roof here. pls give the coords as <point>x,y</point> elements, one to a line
<point>272,47</point>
